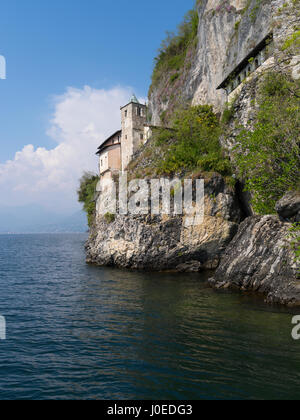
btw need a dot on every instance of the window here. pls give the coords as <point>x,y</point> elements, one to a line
<point>126,113</point>
<point>250,64</point>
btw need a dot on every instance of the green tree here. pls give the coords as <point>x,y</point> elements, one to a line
<point>196,131</point>
<point>86,194</point>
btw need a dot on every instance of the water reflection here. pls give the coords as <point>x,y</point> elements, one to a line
<point>77,331</point>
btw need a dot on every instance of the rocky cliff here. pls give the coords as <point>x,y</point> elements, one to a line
<point>260,259</point>
<point>165,242</point>
<point>254,253</point>
<point>228,31</point>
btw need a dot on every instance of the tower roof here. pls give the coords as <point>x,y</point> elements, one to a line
<point>134,99</point>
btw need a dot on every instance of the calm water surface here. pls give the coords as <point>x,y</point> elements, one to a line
<point>76,331</point>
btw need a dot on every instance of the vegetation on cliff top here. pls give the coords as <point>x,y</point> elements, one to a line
<point>192,145</point>
<point>172,52</point>
<point>196,132</point>
<point>174,61</point>
<point>268,157</point>
<point>86,194</point>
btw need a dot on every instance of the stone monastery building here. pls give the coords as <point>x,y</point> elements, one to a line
<point>117,151</point>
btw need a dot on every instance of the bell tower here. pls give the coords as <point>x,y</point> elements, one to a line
<point>133,117</point>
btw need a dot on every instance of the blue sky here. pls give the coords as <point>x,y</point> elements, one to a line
<point>51,46</point>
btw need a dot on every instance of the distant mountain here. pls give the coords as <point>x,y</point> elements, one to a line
<point>36,219</point>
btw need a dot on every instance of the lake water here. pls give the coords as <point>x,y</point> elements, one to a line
<point>80,332</point>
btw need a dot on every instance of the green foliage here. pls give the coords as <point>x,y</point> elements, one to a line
<point>237,25</point>
<point>163,116</point>
<point>196,143</point>
<point>228,112</point>
<point>172,53</point>
<point>86,194</point>
<point>254,11</point>
<point>268,156</point>
<point>246,8</point>
<point>174,77</point>
<point>162,136</point>
<point>109,217</point>
<point>293,42</point>
<point>215,161</point>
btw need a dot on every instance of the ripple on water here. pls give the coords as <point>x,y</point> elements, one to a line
<point>76,331</point>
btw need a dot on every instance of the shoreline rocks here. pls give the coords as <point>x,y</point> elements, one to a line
<point>166,242</point>
<point>260,259</point>
<point>253,255</point>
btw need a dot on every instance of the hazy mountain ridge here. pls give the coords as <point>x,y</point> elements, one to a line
<point>36,219</point>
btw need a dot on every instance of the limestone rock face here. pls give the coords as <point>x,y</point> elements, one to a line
<point>165,242</point>
<point>260,259</point>
<point>288,207</point>
<point>228,31</point>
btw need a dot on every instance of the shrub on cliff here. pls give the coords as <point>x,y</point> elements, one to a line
<point>86,194</point>
<point>196,132</point>
<point>173,50</point>
<point>268,157</point>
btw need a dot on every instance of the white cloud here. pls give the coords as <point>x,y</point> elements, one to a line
<point>81,120</point>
